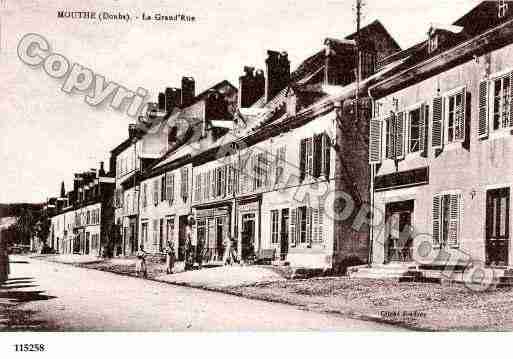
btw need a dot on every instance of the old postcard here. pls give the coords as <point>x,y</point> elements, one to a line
<point>199,166</point>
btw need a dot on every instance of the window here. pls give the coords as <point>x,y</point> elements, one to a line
<point>303,224</point>
<point>446,219</point>
<point>497,219</point>
<point>433,42</point>
<point>279,165</point>
<point>455,117</point>
<point>184,182</point>
<point>156,192</point>
<point>314,156</point>
<point>155,231</point>
<point>501,103</point>
<point>390,137</point>
<point>259,170</point>
<point>197,188</point>
<point>145,195</point>
<point>170,187</point>
<point>163,188</point>
<point>502,9</point>
<point>414,131</point>
<point>275,214</point>
<point>144,232</point>
<point>170,229</point>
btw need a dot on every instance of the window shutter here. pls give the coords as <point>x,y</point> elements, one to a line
<point>317,155</point>
<point>214,183</point>
<point>292,227</point>
<point>229,180</point>
<point>400,134</point>
<point>253,172</point>
<point>460,120</point>
<point>302,158</point>
<point>454,219</point>
<point>171,193</point>
<point>315,225</point>
<point>437,131</point>
<point>511,99</point>
<point>321,224</point>
<point>424,116</point>
<point>223,181</point>
<point>326,159</point>
<point>375,135</point>
<point>308,214</point>
<point>309,156</point>
<point>483,127</point>
<point>437,213</point>
<point>163,188</point>
<point>155,231</point>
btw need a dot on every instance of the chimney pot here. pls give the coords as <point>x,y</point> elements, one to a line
<point>188,90</point>
<point>278,73</point>
<point>251,86</point>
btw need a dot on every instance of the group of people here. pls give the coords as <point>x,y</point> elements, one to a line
<point>193,253</point>
<point>4,260</point>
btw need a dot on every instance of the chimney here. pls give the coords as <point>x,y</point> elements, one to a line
<point>188,91</point>
<point>278,73</point>
<point>162,101</point>
<point>101,172</point>
<point>251,86</point>
<point>173,98</point>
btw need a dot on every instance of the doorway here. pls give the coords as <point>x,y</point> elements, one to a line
<point>182,224</point>
<point>497,227</point>
<point>399,231</point>
<point>248,235</point>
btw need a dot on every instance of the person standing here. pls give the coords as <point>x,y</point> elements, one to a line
<point>190,245</point>
<point>140,266</point>
<point>227,244</point>
<point>170,257</point>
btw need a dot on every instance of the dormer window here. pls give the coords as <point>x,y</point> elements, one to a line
<point>433,42</point>
<point>503,9</point>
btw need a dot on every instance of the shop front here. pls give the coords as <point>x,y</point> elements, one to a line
<point>212,230</point>
<point>249,220</point>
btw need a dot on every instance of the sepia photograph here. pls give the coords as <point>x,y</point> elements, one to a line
<point>331,166</point>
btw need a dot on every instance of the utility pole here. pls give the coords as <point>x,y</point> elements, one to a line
<point>358,59</point>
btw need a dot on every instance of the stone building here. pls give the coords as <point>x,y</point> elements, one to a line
<point>441,145</point>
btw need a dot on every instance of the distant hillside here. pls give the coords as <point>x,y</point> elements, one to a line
<point>14,209</point>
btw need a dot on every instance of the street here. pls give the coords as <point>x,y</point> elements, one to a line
<point>56,297</point>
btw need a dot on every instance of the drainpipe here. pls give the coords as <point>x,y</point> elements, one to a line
<point>372,173</point>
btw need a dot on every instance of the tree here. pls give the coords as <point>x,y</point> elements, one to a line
<point>24,226</point>
<point>63,190</point>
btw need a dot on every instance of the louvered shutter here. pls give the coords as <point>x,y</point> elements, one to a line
<point>326,158</point>
<point>315,225</point>
<point>223,182</point>
<point>400,135</point>
<point>292,227</point>
<point>454,219</point>
<point>253,172</point>
<point>267,169</point>
<point>424,116</point>
<point>317,155</point>
<point>170,178</point>
<point>155,231</point>
<point>437,130</point>
<point>321,224</point>
<point>461,117</point>
<point>511,99</point>
<point>229,180</point>
<point>437,220</point>
<point>308,213</point>
<point>214,183</point>
<point>375,136</point>
<point>483,126</point>
<point>302,158</point>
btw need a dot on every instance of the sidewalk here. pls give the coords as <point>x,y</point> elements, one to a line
<point>223,277</point>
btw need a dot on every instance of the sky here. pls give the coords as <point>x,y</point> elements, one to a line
<point>47,135</point>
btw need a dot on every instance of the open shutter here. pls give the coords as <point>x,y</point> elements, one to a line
<point>170,185</point>
<point>317,155</point>
<point>302,159</point>
<point>229,180</point>
<point>454,219</point>
<point>437,131</point>
<point>326,144</point>
<point>375,136</point>
<point>511,99</point>
<point>292,227</point>
<point>424,116</point>
<point>308,225</point>
<point>223,181</point>
<point>483,127</point>
<point>400,135</point>
<point>437,214</point>
<point>321,224</point>
<point>461,116</point>
<point>315,225</point>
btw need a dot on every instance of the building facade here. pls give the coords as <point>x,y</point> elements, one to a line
<point>440,146</point>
